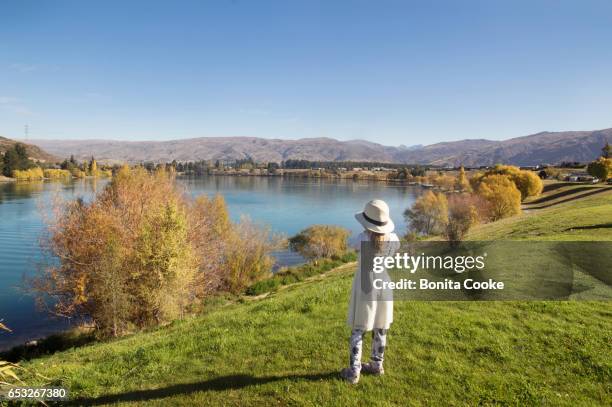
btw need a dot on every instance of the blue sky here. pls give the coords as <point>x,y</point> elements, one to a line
<point>394,72</point>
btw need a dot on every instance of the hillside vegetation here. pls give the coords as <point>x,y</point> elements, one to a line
<point>288,347</point>
<point>34,152</point>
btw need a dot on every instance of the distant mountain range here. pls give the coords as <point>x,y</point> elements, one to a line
<point>34,152</point>
<point>545,147</point>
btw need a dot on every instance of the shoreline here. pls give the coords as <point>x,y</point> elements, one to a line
<point>82,331</point>
<point>305,174</point>
<point>9,179</point>
<point>301,175</point>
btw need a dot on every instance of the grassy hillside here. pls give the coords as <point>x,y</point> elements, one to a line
<point>562,192</point>
<point>586,218</point>
<point>288,347</point>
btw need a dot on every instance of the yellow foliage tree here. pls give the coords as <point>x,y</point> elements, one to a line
<point>502,195</point>
<point>247,256</point>
<point>463,213</point>
<point>142,251</point>
<point>77,172</point>
<point>93,167</point>
<point>462,183</point>
<point>165,264</point>
<point>56,173</point>
<point>601,168</point>
<point>209,233</point>
<point>429,214</point>
<point>320,241</point>
<point>443,181</point>
<point>527,182</point>
<point>31,174</point>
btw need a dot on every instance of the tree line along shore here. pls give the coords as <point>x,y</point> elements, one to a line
<point>15,165</point>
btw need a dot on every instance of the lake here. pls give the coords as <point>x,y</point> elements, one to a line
<point>287,205</point>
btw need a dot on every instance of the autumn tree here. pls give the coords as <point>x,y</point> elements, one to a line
<point>462,183</point>
<point>247,257</point>
<point>320,241</point>
<point>606,151</point>
<point>164,265</point>
<point>141,252</point>
<point>463,213</point>
<point>502,195</point>
<point>429,214</point>
<point>443,181</point>
<point>527,182</point>
<point>476,179</point>
<point>93,167</point>
<point>600,168</point>
<point>209,233</point>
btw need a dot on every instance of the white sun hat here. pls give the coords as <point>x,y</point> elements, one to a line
<point>375,217</point>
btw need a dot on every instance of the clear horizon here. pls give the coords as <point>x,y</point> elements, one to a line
<point>387,72</point>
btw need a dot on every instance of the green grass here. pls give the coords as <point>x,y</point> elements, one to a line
<point>555,193</point>
<point>287,348</point>
<point>587,218</point>
<point>299,273</point>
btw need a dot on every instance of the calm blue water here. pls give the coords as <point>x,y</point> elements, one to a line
<point>286,205</point>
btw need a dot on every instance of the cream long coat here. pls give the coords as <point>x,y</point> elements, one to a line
<point>365,313</point>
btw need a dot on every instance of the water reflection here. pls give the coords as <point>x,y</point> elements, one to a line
<point>291,204</point>
<point>287,205</point>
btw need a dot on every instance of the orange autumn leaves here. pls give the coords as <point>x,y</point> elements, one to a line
<point>143,253</point>
<point>488,196</point>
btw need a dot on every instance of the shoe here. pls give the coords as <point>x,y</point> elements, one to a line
<point>372,368</point>
<point>349,375</point>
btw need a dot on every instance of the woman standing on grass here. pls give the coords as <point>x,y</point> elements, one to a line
<point>369,309</point>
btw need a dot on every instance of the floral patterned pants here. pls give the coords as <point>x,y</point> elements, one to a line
<point>379,342</point>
